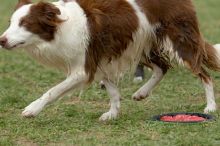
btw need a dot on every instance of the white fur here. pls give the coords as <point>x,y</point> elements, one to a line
<point>16,34</point>
<point>129,59</point>
<point>167,45</point>
<point>217,48</point>
<point>146,89</point>
<point>211,105</point>
<point>75,80</point>
<point>142,39</point>
<point>137,79</point>
<point>114,102</point>
<point>67,52</point>
<point>210,97</point>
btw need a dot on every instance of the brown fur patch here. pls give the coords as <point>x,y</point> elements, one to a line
<point>177,20</point>
<point>42,20</point>
<point>21,3</point>
<point>204,76</point>
<point>210,59</point>
<point>160,61</point>
<point>111,24</point>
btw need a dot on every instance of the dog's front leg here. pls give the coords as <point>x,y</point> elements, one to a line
<point>71,82</point>
<point>114,101</point>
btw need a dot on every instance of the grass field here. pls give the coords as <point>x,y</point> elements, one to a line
<point>74,120</point>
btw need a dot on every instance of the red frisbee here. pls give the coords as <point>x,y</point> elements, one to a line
<point>183,117</point>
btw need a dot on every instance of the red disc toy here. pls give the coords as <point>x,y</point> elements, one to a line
<point>184,117</point>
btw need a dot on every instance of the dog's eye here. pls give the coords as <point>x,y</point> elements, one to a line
<point>22,22</point>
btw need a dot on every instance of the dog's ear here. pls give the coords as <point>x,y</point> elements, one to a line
<point>47,14</point>
<point>21,3</point>
<point>43,20</point>
<point>51,11</point>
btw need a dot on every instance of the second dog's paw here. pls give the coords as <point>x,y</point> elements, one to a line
<point>108,116</point>
<point>138,79</point>
<point>33,109</point>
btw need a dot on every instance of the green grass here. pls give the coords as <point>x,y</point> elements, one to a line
<point>74,120</point>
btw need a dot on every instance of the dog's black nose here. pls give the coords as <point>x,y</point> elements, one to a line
<point>3,41</point>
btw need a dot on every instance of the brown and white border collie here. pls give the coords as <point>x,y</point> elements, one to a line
<point>100,39</point>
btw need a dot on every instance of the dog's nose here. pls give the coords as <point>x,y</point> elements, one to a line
<point>3,41</point>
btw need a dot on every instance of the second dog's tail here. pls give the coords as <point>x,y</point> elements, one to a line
<point>212,58</point>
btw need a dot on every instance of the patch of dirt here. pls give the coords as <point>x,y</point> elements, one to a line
<point>72,101</point>
<point>25,142</point>
<point>58,144</point>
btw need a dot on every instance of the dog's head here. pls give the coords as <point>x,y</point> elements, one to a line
<point>30,24</point>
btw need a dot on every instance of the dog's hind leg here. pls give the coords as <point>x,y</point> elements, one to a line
<point>114,101</point>
<point>73,81</point>
<point>208,85</point>
<point>145,90</point>
<point>159,66</point>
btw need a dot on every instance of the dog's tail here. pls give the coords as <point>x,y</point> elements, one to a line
<point>212,58</point>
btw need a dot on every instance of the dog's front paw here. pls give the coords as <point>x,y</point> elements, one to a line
<point>33,109</point>
<point>210,108</point>
<point>110,115</point>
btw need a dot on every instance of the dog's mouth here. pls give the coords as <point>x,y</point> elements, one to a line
<point>8,47</point>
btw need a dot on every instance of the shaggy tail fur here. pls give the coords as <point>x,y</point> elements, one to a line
<point>212,58</point>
